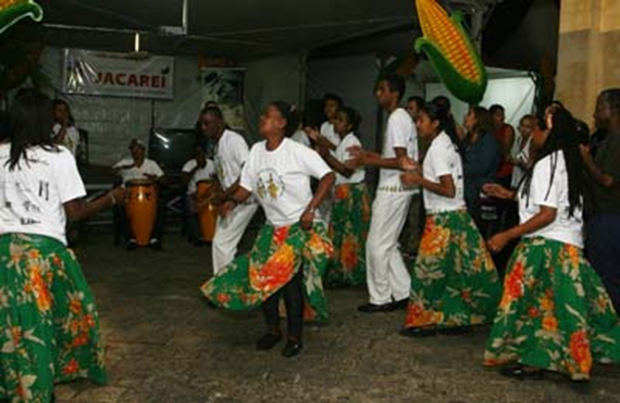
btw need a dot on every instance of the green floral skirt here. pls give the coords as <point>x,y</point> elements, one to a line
<point>348,230</point>
<point>49,329</point>
<point>454,282</point>
<point>277,255</point>
<point>554,313</point>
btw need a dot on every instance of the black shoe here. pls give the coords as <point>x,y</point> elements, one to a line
<point>291,349</point>
<point>268,341</point>
<point>372,308</point>
<point>455,331</point>
<point>521,373</point>
<point>132,244</point>
<point>418,331</point>
<point>155,244</point>
<point>400,305</point>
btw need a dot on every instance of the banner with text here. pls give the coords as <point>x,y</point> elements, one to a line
<point>118,74</point>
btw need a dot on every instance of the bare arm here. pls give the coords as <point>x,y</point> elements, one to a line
<point>341,168</point>
<point>79,209</point>
<point>326,183</point>
<point>373,159</point>
<point>544,217</point>
<point>444,188</point>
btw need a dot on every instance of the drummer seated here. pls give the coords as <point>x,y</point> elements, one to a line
<point>139,168</point>
<point>198,169</point>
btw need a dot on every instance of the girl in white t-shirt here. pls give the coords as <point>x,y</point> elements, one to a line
<point>350,218</point>
<point>554,314</point>
<point>44,293</point>
<point>454,282</point>
<point>292,250</point>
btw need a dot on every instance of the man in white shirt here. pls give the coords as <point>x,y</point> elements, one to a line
<point>138,167</point>
<point>387,278</point>
<point>231,153</point>
<point>197,169</point>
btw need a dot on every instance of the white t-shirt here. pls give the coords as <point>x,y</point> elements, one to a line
<point>281,179</point>
<point>521,156</point>
<point>343,156</point>
<point>149,167</point>
<point>399,133</point>
<point>33,194</point>
<point>544,193</point>
<point>327,131</point>
<point>301,137</point>
<point>201,174</point>
<point>72,137</point>
<point>231,153</point>
<point>442,158</point>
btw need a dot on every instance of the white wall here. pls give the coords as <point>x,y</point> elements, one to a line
<point>112,122</point>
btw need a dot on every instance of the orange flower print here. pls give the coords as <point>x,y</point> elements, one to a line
<point>573,255</point>
<point>348,254</point>
<point>56,260</point>
<point>71,368</point>
<point>546,302</point>
<point>277,271</point>
<point>417,316</point>
<point>550,324</point>
<point>223,298</point>
<point>88,321</point>
<point>466,296</point>
<point>34,254</point>
<point>309,313</point>
<point>318,246</point>
<point>580,350</point>
<point>342,192</point>
<point>80,341</point>
<point>513,286</point>
<point>16,333</point>
<point>434,240</point>
<point>280,235</point>
<point>75,306</point>
<point>39,288</point>
<point>533,312</point>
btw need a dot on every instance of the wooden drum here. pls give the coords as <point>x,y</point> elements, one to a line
<point>206,191</point>
<point>141,209</point>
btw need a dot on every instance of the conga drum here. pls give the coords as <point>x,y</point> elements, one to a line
<point>206,191</point>
<point>141,209</point>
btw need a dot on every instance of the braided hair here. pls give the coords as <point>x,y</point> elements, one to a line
<point>563,137</point>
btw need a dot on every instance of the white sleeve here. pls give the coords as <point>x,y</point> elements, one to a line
<point>311,163</point>
<point>154,169</point>
<point>542,192</point>
<point>248,174</point>
<point>189,165</point>
<point>399,130</point>
<point>56,129</point>
<point>120,163</point>
<point>68,181</point>
<point>241,150</point>
<point>441,160</point>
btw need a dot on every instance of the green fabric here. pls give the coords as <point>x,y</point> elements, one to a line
<point>348,230</point>
<point>50,326</point>
<point>554,313</point>
<point>454,282</point>
<point>277,255</point>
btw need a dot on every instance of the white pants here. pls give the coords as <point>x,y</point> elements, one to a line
<point>228,233</point>
<point>386,274</point>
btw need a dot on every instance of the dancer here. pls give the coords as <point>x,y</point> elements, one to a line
<point>49,322</point>
<point>554,313</point>
<point>351,211</point>
<point>231,153</point>
<point>454,283</point>
<point>292,250</point>
<point>386,274</point>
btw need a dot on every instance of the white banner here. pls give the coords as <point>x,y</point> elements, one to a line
<point>118,74</point>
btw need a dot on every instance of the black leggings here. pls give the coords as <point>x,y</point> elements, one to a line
<point>294,303</point>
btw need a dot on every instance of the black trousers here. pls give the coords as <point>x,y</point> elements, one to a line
<point>293,301</point>
<point>602,244</point>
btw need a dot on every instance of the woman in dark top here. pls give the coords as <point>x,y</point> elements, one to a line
<point>481,159</point>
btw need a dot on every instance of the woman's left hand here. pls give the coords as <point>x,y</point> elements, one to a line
<point>498,242</point>
<point>306,220</point>
<point>411,178</point>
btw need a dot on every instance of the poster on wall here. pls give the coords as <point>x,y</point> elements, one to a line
<point>224,86</point>
<point>88,72</point>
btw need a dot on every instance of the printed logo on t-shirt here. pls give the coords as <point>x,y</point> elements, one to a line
<point>270,184</point>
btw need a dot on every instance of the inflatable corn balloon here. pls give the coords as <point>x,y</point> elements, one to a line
<point>451,52</point>
<point>12,11</point>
